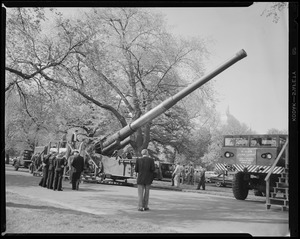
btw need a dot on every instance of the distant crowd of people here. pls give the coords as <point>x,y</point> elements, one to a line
<point>188,175</point>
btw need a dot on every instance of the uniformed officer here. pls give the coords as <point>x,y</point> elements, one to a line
<point>51,171</point>
<point>59,165</point>
<point>45,161</point>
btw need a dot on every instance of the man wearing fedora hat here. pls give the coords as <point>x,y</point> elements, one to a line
<point>78,166</point>
<point>51,170</point>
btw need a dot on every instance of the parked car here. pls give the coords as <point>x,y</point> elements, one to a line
<point>222,180</point>
<point>209,174</point>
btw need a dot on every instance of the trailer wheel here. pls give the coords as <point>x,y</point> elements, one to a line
<point>218,184</point>
<point>239,186</point>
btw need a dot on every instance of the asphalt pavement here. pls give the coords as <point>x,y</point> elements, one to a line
<point>184,211</point>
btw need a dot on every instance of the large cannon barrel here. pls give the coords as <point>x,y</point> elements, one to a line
<point>113,141</point>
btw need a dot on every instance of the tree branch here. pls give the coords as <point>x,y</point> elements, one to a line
<point>104,106</point>
<point>10,85</point>
<point>114,87</point>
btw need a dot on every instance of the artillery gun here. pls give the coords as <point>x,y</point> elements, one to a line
<point>102,152</point>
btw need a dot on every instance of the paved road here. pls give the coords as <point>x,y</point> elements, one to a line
<point>184,212</point>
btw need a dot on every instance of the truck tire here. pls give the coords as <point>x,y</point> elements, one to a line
<point>218,184</point>
<point>239,186</point>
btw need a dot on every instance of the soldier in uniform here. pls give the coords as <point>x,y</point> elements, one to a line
<point>45,161</point>
<point>59,165</point>
<point>51,170</point>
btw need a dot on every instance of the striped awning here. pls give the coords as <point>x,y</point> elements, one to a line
<point>250,168</point>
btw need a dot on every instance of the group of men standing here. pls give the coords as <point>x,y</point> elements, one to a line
<point>53,170</point>
<point>188,175</point>
<point>53,167</point>
<point>54,164</point>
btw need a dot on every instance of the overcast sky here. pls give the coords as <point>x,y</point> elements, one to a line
<point>256,88</point>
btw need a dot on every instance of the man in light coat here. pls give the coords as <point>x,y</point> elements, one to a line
<point>177,172</point>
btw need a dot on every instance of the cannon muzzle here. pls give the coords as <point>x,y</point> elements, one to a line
<point>113,142</point>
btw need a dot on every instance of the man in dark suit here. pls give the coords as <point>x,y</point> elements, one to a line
<point>70,160</point>
<point>145,168</point>
<point>202,179</point>
<point>59,164</point>
<point>45,162</point>
<point>78,166</point>
<point>51,171</point>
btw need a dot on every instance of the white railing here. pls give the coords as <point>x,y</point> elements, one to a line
<point>267,178</point>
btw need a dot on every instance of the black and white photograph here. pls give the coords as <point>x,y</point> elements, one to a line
<point>150,120</point>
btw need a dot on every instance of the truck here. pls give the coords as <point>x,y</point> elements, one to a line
<point>24,160</point>
<point>250,158</point>
<point>163,171</point>
<point>102,153</point>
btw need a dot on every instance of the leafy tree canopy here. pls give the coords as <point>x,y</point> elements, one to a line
<point>103,70</point>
